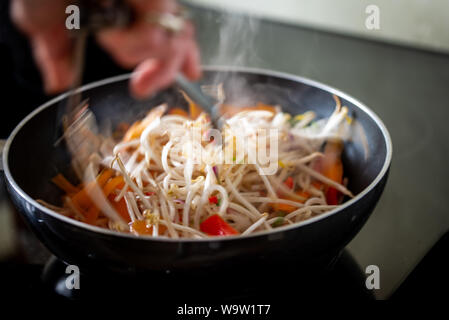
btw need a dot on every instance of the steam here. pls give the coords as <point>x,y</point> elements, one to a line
<point>236,41</point>
<point>236,47</point>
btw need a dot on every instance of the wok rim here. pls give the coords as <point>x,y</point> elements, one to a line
<point>256,71</point>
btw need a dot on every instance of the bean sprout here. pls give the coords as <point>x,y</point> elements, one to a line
<point>163,187</point>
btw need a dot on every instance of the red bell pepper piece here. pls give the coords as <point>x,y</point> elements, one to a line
<point>216,226</point>
<point>332,195</point>
<point>289,182</point>
<point>331,166</point>
<point>213,200</point>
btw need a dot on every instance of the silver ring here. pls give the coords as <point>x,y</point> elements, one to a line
<point>173,23</point>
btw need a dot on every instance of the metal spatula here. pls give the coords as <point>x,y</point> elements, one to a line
<point>208,102</point>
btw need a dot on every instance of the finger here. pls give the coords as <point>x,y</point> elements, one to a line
<point>147,78</point>
<point>140,76</point>
<point>131,46</point>
<point>191,67</point>
<point>53,54</point>
<point>150,45</point>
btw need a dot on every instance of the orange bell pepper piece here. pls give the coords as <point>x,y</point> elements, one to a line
<point>179,112</point>
<point>140,227</point>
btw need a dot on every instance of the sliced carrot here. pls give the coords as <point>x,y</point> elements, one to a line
<point>231,110</point>
<point>303,194</point>
<point>284,207</point>
<point>137,127</point>
<point>265,107</point>
<point>121,185</point>
<point>289,208</point>
<point>64,184</point>
<point>194,109</point>
<point>318,185</point>
<point>83,201</point>
<point>179,112</point>
<point>289,182</point>
<point>82,198</point>
<point>112,185</point>
<point>161,229</point>
<point>140,227</point>
<point>331,166</point>
<point>134,131</point>
<point>333,169</point>
<point>79,209</point>
<point>92,215</point>
<point>104,176</point>
<point>120,207</point>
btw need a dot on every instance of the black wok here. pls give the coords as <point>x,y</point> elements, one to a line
<point>30,160</point>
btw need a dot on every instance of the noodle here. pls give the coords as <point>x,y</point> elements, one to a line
<point>167,184</point>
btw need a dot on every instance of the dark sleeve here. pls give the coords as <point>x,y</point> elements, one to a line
<point>20,79</point>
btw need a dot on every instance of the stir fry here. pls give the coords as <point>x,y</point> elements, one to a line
<point>157,181</point>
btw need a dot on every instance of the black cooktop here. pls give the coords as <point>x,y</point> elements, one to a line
<point>36,274</point>
<point>343,279</point>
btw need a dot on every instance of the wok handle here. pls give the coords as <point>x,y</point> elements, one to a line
<point>2,145</point>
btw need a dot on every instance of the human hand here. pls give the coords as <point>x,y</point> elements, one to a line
<point>155,54</point>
